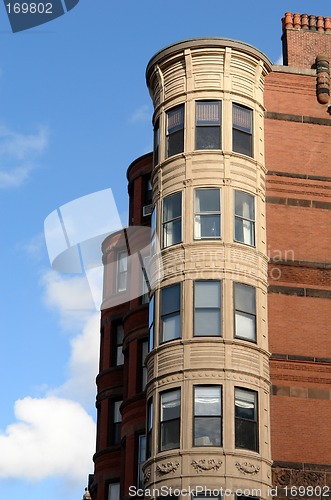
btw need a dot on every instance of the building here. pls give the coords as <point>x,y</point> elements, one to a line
<point>235,391</point>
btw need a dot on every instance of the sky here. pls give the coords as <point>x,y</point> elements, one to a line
<point>74,113</point>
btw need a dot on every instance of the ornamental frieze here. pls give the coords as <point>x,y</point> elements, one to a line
<point>166,468</point>
<point>206,465</point>
<point>247,468</point>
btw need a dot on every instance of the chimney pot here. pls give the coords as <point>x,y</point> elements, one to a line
<point>312,23</point>
<point>304,22</point>
<point>297,21</point>
<point>320,23</point>
<point>327,24</point>
<point>288,20</point>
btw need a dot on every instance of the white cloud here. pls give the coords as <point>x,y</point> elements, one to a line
<point>141,114</point>
<point>19,154</point>
<point>279,61</point>
<point>54,434</point>
<point>52,437</point>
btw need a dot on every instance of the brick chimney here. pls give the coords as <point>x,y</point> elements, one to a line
<point>304,38</point>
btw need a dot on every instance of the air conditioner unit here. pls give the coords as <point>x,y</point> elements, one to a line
<point>147,210</point>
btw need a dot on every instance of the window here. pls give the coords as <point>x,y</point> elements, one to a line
<point>149,428</point>
<point>143,367</point>
<point>141,459</point>
<point>153,233</point>
<point>246,419</point>
<point>208,416</point>
<point>170,420</point>
<point>118,356</point>
<point>175,130</point>
<point>122,271</point>
<point>151,323</point>
<point>208,125</point>
<point>170,312</point>
<point>172,219</point>
<point>245,311</point>
<point>148,191</point>
<point>114,491</point>
<point>115,423</point>
<point>156,143</point>
<point>207,213</point>
<point>207,308</point>
<point>244,230</point>
<point>242,130</point>
<point>145,285</point>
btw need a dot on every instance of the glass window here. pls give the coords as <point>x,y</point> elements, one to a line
<point>172,219</point>
<point>145,285</point>
<point>170,420</point>
<point>116,420</point>
<point>246,419</point>
<point>242,130</point>
<point>122,271</point>
<point>244,230</point>
<point>149,428</point>
<point>208,416</point>
<point>175,130</point>
<point>143,367</point>
<point>245,311</point>
<point>156,143</point>
<point>153,233</point>
<point>207,213</point>
<point>170,312</point>
<point>114,491</point>
<point>208,125</point>
<point>118,355</point>
<point>151,323</point>
<point>207,308</point>
<point>141,459</point>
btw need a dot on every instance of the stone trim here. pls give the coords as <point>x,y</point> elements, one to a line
<point>297,118</point>
<point>301,392</point>
<point>292,357</point>
<point>298,202</point>
<point>299,176</point>
<point>300,291</point>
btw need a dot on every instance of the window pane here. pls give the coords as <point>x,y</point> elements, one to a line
<point>170,327</point>
<point>245,298</point>
<point>242,142</point>
<point>245,404</point>
<point>172,207</point>
<point>208,138</point>
<point>114,491</point>
<point>208,113</point>
<point>242,118</point>
<point>244,231</point>
<point>151,311</point>
<point>117,413</point>
<point>245,326</point>
<point>207,401</point>
<point>170,432</point>
<point>207,200</point>
<point>172,233</point>
<point>207,226</point>
<point>244,205</point>
<point>175,119</point>
<point>207,322</point>
<point>119,334</point>
<point>170,299</point>
<point>170,405</point>
<point>246,434</point>
<point>119,356</point>
<point>207,294</point>
<point>207,431</point>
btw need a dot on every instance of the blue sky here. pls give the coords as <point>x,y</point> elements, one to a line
<point>74,113</point>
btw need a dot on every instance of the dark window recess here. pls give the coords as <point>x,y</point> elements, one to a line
<point>149,428</point>
<point>156,143</point>
<point>245,311</point>
<point>175,130</point>
<point>242,130</point>
<point>170,420</point>
<point>118,356</point>
<point>170,312</point>
<point>208,125</point>
<point>115,422</point>
<point>208,416</point>
<point>246,429</point>
<point>172,219</point>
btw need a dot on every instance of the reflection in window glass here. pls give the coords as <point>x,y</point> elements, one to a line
<point>172,219</point>
<point>170,312</point>
<point>244,230</point>
<point>170,420</point>
<point>245,311</point>
<point>207,308</point>
<point>208,416</point>
<point>246,419</point>
<point>207,213</point>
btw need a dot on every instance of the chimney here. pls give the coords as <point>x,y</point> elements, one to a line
<point>304,38</point>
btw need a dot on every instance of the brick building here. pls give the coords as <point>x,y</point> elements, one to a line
<point>234,390</point>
